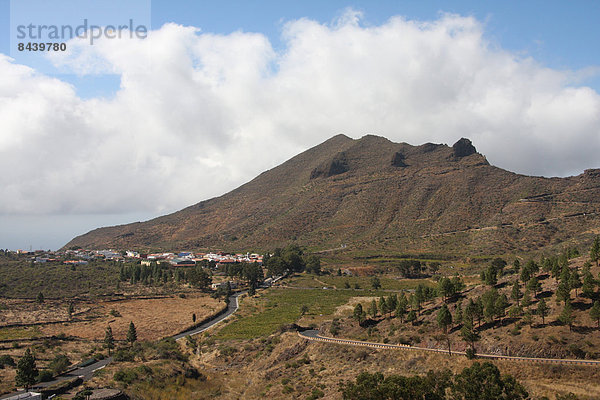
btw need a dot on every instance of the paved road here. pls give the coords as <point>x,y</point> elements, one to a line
<point>233,307</point>
<point>314,335</point>
<point>86,372</point>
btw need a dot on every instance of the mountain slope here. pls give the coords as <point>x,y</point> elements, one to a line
<point>373,192</point>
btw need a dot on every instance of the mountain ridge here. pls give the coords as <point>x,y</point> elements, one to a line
<point>371,192</point>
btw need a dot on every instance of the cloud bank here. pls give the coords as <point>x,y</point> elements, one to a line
<point>198,114</point>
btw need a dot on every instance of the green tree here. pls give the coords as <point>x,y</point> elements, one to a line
<point>70,309</point>
<point>131,333</point>
<point>40,298</point>
<point>109,340</point>
<point>489,303</point>
<point>411,316</point>
<point>375,283</point>
<point>313,265</point>
<point>470,312</point>
<point>563,292</point>
<point>528,318</point>
<point>445,288</point>
<point>383,308</point>
<point>468,334</point>
<point>526,300</point>
<point>303,309</point>
<point>59,364</point>
<point>566,316</point>
<point>595,312</point>
<point>501,306</point>
<point>542,310</point>
<point>27,371</point>
<point>490,275</point>
<point>515,293</point>
<point>392,302</point>
<point>595,251</point>
<point>534,285</point>
<point>444,320</point>
<point>401,308</point>
<point>373,309</point>
<point>484,382</point>
<point>589,284</point>
<point>575,281</point>
<point>359,314</point>
<point>458,313</point>
<point>517,265</point>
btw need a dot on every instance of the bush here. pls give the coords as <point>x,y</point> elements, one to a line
<point>45,376</point>
<point>115,313</point>
<point>59,364</point>
<point>126,376</point>
<point>124,354</point>
<point>470,353</point>
<point>6,360</point>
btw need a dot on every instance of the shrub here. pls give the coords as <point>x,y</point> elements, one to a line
<point>59,364</point>
<point>6,360</point>
<point>124,354</point>
<point>126,376</point>
<point>45,376</point>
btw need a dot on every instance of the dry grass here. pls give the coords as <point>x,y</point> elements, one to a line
<point>153,318</point>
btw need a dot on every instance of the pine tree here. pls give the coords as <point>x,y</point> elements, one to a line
<point>500,306</point>
<point>526,301</point>
<point>468,334</point>
<point>70,310</point>
<point>470,312</point>
<point>589,284</point>
<point>392,302</point>
<point>563,292</point>
<point>382,306</point>
<point>27,371</point>
<point>109,340</point>
<point>595,312</point>
<point>359,313</point>
<point>516,291</point>
<point>534,285</point>
<point>542,310</point>
<point>40,298</point>
<point>575,281</point>
<point>131,333</point>
<point>444,320</point>
<point>595,251</point>
<point>566,316</point>
<point>516,265</point>
<point>373,309</point>
<point>401,308</point>
<point>458,314</point>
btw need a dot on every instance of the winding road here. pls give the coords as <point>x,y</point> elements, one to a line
<point>87,372</point>
<point>313,335</point>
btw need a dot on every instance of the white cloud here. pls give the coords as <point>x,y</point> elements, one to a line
<point>198,114</point>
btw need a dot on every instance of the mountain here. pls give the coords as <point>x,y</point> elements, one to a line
<point>372,193</point>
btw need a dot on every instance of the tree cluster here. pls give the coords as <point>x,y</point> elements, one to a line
<point>291,259</point>
<point>478,382</point>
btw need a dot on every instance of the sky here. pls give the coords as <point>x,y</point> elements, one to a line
<point>124,130</point>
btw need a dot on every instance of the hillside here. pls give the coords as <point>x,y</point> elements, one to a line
<point>373,193</point>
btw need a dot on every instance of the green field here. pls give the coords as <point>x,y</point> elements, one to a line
<point>282,306</point>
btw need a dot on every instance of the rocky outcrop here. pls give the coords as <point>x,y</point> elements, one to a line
<point>463,148</point>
